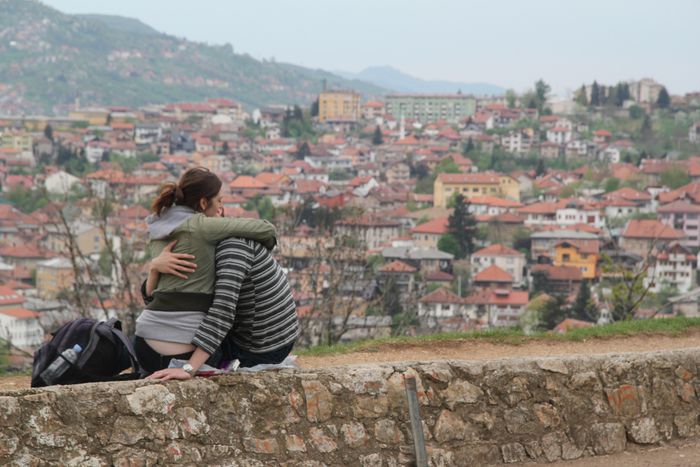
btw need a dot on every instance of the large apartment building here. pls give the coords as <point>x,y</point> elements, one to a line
<point>339,106</point>
<point>474,185</point>
<point>431,107</point>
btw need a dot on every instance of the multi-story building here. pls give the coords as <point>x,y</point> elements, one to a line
<point>685,217</point>
<point>428,108</point>
<point>673,266</point>
<point>473,185</point>
<point>581,255</point>
<point>509,260</point>
<point>374,233</point>
<point>645,91</point>
<point>54,276</point>
<point>339,106</point>
<point>645,236</point>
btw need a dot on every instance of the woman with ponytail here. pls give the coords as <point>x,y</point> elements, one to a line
<point>186,218</point>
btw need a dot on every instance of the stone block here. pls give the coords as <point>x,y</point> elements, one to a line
<point>295,443</point>
<point>684,374</point>
<point>624,400</point>
<point>354,434</point>
<point>192,422</point>
<point>643,431</point>
<point>386,431</point>
<point>553,365</point>
<point>551,446</point>
<point>261,445</point>
<point>449,427</point>
<point>547,415</point>
<point>461,392</point>
<point>686,392</point>
<point>128,430</point>
<point>687,425</point>
<point>10,410</point>
<point>321,441</point>
<point>319,402</point>
<point>608,438</point>
<point>371,460</point>
<point>513,452</point>
<point>372,406</point>
<point>152,399</point>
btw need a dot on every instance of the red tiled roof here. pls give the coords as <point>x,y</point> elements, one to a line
<point>243,182</point>
<point>439,276</point>
<point>571,323</point>
<point>437,226</point>
<point>679,206</point>
<point>493,274</point>
<point>651,229</point>
<point>499,297</point>
<point>584,246</point>
<point>559,273</point>
<point>20,313</point>
<point>494,201</point>
<point>397,266</point>
<point>9,296</point>
<point>441,295</point>
<point>497,250</point>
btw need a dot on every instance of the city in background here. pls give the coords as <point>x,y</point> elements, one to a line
<point>398,212</point>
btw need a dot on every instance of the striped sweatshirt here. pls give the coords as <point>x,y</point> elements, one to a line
<point>252,300</point>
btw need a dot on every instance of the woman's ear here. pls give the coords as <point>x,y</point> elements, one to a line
<point>203,205</point>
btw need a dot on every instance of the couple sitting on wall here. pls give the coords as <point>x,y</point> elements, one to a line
<point>213,293</point>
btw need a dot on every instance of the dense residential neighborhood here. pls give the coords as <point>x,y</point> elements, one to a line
<point>413,214</point>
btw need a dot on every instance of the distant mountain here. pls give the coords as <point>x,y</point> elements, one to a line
<point>50,60</point>
<point>122,23</point>
<point>391,78</point>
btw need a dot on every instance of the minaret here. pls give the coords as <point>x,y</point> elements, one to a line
<point>402,127</point>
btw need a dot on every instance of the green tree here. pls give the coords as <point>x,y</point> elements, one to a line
<point>377,137</point>
<point>611,184</point>
<point>468,147</point>
<point>314,108</point>
<point>664,100</point>
<point>542,90</point>
<point>511,98</point>
<point>48,132</point>
<point>303,151</point>
<point>225,149</point>
<point>674,177</point>
<point>636,112</point>
<point>647,131</point>
<point>391,299</point>
<point>462,225</point>
<point>595,94</point>
<point>447,165</point>
<point>553,312</point>
<point>540,282</point>
<point>584,308</point>
<point>540,169</point>
<point>580,97</point>
<point>628,294</point>
<point>448,244</point>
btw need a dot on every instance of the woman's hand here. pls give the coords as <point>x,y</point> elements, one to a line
<point>170,373</point>
<point>176,264</point>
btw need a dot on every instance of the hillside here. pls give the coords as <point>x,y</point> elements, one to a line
<point>389,77</point>
<point>49,59</point>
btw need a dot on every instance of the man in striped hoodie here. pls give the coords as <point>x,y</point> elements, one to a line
<point>252,317</point>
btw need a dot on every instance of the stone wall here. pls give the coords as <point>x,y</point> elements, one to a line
<point>474,413</point>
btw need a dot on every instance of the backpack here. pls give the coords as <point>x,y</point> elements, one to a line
<point>106,353</point>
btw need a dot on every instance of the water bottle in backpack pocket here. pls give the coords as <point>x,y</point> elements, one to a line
<point>104,353</point>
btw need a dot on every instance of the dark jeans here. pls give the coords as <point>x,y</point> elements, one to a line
<point>152,361</point>
<point>230,351</point>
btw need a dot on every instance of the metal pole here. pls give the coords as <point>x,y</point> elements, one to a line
<point>416,425</point>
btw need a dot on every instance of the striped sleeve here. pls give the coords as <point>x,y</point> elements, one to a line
<point>234,259</point>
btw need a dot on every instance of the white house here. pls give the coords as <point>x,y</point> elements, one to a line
<point>559,135</point>
<point>510,260</point>
<point>21,327</point>
<point>579,213</point>
<point>441,303</point>
<point>672,267</point>
<point>60,183</point>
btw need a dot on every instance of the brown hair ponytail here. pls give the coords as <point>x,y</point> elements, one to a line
<point>194,185</point>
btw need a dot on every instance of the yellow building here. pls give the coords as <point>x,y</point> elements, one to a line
<point>582,255</point>
<point>472,185</point>
<point>54,276</point>
<point>339,106</point>
<point>92,116</point>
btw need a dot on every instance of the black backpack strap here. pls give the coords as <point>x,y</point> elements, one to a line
<point>116,326</point>
<point>86,353</point>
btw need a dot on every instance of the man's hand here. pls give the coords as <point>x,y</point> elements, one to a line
<point>170,373</point>
<point>176,264</point>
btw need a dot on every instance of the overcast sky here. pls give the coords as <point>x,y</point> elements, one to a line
<point>510,43</point>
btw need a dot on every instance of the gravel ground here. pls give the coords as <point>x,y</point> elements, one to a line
<point>684,455</point>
